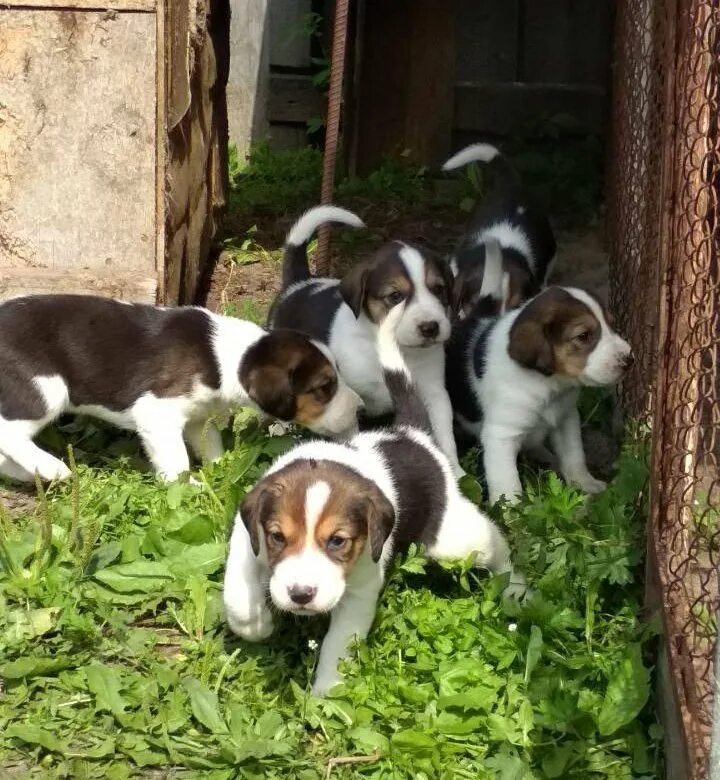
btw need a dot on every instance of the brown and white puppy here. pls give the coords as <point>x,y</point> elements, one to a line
<point>514,380</point>
<point>320,528</point>
<point>159,371</point>
<point>345,315</point>
<point>510,218</point>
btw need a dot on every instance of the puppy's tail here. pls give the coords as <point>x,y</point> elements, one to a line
<point>295,262</point>
<point>495,288</point>
<point>485,153</point>
<point>409,407</point>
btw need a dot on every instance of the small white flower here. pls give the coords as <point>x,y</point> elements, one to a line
<point>312,644</point>
<point>512,627</point>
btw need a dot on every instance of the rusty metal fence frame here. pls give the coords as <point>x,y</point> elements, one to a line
<point>664,228</point>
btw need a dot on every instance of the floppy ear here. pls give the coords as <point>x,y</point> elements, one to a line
<point>256,504</point>
<point>380,517</point>
<point>449,279</point>
<point>462,291</point>
<point>352,287</point>
<point>529,344</point>
<point>272,390</point>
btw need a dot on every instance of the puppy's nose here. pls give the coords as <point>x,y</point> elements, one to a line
<point>628,361</point>
<point>301,594</point>
<point>429,330</point>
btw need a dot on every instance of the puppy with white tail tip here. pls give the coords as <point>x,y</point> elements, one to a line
<point>320,529</point>
<point>345,314</point>
<point>510,216</point>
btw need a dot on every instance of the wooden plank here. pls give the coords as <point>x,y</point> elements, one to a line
<point>77,140</point>
<point>486,35</point>
<point>83,5</point>
<point>289,46</point>
<point>567,41</point>
<point>123,286</point>
<point>163,56</point>
<point>510,108</point>
<point>247,88</point>
<point>406,88</point>
<point>294,99</point>
<point>177,43</point>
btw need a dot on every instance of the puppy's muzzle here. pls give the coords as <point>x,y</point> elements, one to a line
<point>301,594</point>
<point>430,329</point>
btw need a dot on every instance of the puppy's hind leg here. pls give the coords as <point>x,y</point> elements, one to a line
<point>160,425</point>
<point>467,531</point>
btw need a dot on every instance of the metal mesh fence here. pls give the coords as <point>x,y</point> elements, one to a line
<point>664,187</point>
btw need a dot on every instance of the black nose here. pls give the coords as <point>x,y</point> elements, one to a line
<point>628,361</point>
<point>301,594</point>
<point>429,330</point>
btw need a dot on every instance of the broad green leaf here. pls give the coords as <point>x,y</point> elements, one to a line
<point>104,682</point>
<point>368,739</point>
<point>199,559</point>
<point>141,575</point>
<point>35,735</point>
<point>204,704</point>
<point>33,667</point>
<point>27,624</point>
<point>627,692</point>
<point>196,531</point>
<point>413,741</point>
<point>175,494</point>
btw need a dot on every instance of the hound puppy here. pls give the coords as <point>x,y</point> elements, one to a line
<point>509,217</point>
<point>161,372</point>
<point>321,528</point>
<point>515,379</point>
<point>345,315</point>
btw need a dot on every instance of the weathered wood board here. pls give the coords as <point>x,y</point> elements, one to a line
<point>77,143</point>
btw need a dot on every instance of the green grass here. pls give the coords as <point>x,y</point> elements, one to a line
<point>115,662</point>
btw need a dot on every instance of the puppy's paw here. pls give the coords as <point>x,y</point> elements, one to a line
<point>50,469</point>
<point>517,589</point>
<point>324,683</point>
<point>255,628</point>
<point>589,484</point>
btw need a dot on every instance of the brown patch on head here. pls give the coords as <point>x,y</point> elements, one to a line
<point>378,284</point>
<point>554,334</point>
<point>288,376</point>
<point>355,514</point>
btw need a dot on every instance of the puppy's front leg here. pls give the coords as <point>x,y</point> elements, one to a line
<point>352,617</point>
<point>567,442</point>
<point>500,452</point>
<point>246,609</point>
<point>204,440</point>
<point>160,425</point>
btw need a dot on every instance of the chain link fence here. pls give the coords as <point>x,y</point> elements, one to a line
<point>663,216</point>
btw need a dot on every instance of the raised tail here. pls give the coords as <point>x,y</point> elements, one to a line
<point>295,262</point>
<point>495,288</point>
<point>484,153</point>
<point>409,407</point>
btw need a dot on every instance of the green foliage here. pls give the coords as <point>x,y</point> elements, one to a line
<point>115,661</point>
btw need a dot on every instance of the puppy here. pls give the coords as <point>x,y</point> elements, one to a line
<point>321,527</point>
<point>514,380</point>
<point>346,314</point>
<point>158,371</point>
<point>508,215</point>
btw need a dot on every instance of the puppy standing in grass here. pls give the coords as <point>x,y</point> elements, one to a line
<point>345,315</point>
<point>515,379</point>
<point>158,371</point>
<point>321,527</point>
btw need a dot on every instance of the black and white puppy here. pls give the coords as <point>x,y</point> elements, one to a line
<point>321,527</point>
<point>510,216</point>
<point>159,371</point>
<point>345,315</point>
<point>514,380</point>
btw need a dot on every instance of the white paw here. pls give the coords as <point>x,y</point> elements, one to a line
<point>589,484</point>
<point>251,629</point>
<point>52,469</point>
<point>517,589</point>
<point>324,683</point>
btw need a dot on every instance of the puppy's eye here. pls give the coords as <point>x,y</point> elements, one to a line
<point>394,297</point>
<point>336,543</point>
<point>583,337</point>
<point>277,538</point>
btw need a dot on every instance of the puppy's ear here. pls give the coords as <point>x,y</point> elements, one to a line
<point>271,388</point>
<point>449,279</point>
<point>529,343</point>
<point>465,286</point>
<point>380,517</point>
<point>352,287</point>
<point>256,505</point>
